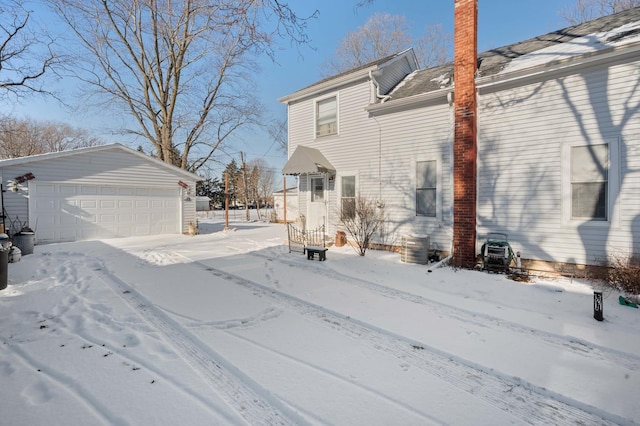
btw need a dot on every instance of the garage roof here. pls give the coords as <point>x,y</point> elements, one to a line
<point>115,146</point>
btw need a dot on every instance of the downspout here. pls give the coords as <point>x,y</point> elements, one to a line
<point>379,160</point>
<point>383,98</point>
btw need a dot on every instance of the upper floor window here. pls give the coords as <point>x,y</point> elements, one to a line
<point>589,182</point>
<point>426,188</point>
<point>327,116</point>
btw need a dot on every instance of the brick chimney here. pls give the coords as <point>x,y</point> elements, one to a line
<point>464,142</point>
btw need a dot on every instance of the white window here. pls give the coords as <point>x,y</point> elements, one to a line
<point>590,182</point>
<point>327,116</point>
<point>348,197</point>
<point>426,188</point>
<point>317,189</point>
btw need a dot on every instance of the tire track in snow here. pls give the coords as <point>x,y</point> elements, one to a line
<point>574,344</point>
<point>425,417</point>
<point>246,397</point>
<point>526,401</point>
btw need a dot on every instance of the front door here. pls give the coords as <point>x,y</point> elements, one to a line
<point>317,211</point>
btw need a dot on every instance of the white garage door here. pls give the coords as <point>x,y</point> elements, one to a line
<point>69,212</point>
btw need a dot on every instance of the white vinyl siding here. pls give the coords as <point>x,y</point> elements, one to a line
<point>407,138</point>
<point>524,163</point>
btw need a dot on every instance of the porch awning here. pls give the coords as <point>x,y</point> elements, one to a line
<point>307,160</point>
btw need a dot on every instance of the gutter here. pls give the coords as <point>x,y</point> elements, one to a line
<point>410,102</point>
<point>379,95</point>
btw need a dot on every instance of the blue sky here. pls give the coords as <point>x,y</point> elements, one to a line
<point>501,22</point>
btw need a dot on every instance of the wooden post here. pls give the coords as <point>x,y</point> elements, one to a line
<point>246,186</point>
<point>284,196</point>
<point>226,201</point>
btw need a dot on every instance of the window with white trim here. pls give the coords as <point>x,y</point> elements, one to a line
<point>426,188</point>
<point>348,197</point>
<point>327,116</point>
<point>317,189</point>
<point>589,182</point>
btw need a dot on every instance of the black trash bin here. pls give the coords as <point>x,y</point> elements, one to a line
<point>5,247</point>
<point>4,268</point>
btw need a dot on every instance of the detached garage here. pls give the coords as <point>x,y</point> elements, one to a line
<point>98,192</point>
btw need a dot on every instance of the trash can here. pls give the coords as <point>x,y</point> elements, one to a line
<point>5,247</point>
<point>24,240</point>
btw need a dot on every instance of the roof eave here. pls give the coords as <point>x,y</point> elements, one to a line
<point>53,155</point>
<point>611,53</point>
<point>427,98</point>
<point>361,74</point>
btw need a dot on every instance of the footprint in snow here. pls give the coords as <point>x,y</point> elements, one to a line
<point>37,393</point>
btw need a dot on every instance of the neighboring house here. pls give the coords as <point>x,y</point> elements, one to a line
<point>292,212</point>
<point>203,203</point>
<point>98,192</point>
<point>558,144</point>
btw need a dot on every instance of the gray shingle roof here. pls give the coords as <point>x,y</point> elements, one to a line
<point>493,61</point>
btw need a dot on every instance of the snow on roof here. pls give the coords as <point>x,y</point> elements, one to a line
<point>589,43</point>
<point>404,81</point>
<point>443,80</point>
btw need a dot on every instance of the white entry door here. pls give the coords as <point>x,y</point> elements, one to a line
<point>317,207</point>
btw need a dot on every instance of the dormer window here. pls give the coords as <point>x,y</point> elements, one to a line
<point>327,116</point>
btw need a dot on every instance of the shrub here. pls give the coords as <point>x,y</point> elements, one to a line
<point>361,217</point>
<point>624,273</point>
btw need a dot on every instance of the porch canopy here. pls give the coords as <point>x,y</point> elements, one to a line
<point>307,160</point>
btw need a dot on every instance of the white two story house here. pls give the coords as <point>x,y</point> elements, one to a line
<point>558,144</point>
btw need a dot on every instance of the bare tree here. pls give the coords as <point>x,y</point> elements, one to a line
<point>26,55</point>
<point>383,35</point>
<point>18,138</point>
<point>587,10</point>
<point>263,179</point>
<point>434,46</point>
<point>361,218</point>
<point>181,69</point>
<point>24,137</point>
<point>254,183</point>
<point>279,132</point>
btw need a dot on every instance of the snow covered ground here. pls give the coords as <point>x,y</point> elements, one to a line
<point>230,328</point>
